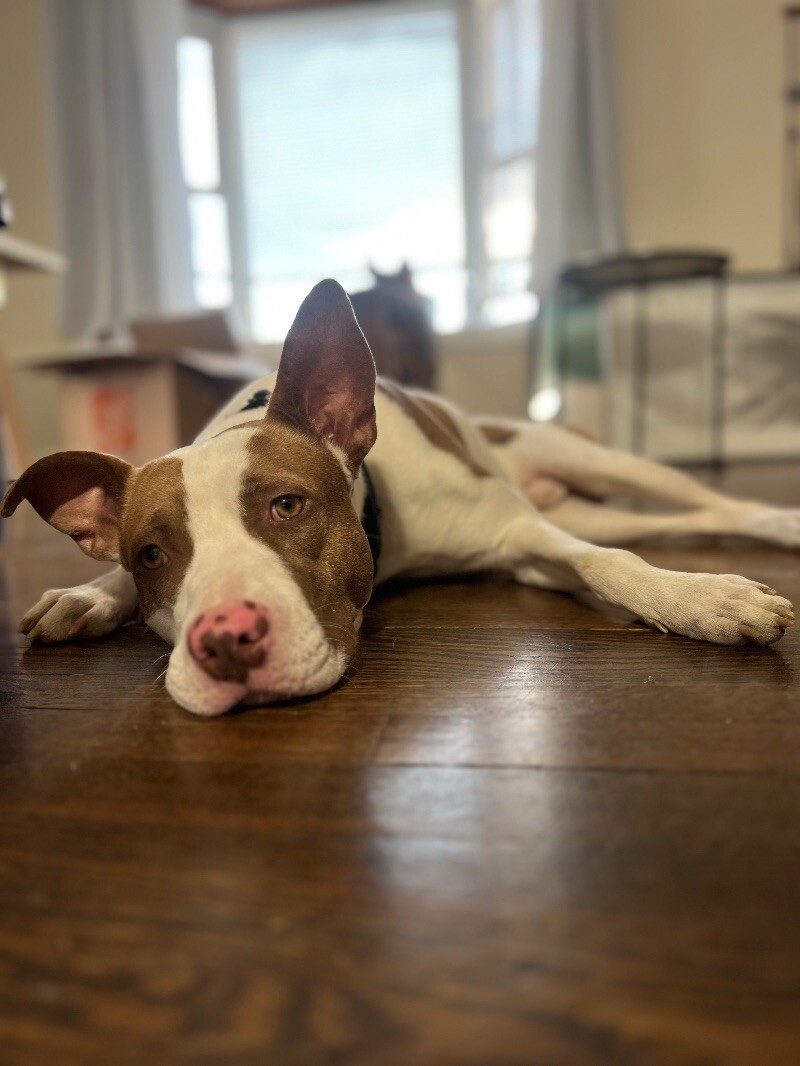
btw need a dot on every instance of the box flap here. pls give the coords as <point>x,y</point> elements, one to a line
<point>120,356</point>
<point>207,331</point>
<point>221,365</point>
<point>96,356</point>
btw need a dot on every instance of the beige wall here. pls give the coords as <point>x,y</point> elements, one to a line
<point>699,84</point>
<point>28,322</point>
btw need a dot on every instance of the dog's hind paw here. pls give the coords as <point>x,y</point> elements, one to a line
<point>70,614</point>
<point>776,525</point>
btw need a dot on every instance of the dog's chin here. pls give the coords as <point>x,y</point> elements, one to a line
<point>195,691</point>
<point>207,700</point>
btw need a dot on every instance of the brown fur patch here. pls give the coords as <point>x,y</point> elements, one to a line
<point>435,421</point>
<point>155,513</point>
<point>497,434</point>
<point>324,548</point>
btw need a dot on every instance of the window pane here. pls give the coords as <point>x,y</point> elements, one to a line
<point>508,216</point>
<point>509,299</point>
<point>447,289</point>
<point>197,114</point>
<point>509,277</point>
<point>514,60</point>
<point>273,306</point>
<point>351,146</point>
<point>208,217</point>
<point>529,54</point>
<point>213,292</point>
<point>503,88</point>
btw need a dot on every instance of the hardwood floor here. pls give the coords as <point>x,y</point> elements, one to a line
<point>520,833</point>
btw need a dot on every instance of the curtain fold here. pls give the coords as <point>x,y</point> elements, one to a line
<point>123,213</point>
<point>577,194</point>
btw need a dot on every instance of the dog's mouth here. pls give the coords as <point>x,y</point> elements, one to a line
<point>210,699</point>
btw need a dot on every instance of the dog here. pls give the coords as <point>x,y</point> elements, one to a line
<point>255,550</point>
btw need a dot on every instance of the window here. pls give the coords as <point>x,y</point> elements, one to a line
<point>208,211</point>
<point>365,136</point>
<point>351,153</point>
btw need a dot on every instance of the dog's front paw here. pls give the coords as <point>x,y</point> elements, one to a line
<point>69,614</point>
<point>728,609</point>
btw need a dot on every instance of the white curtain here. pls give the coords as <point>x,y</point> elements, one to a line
<point>577,183</point>
<point>122,205</point>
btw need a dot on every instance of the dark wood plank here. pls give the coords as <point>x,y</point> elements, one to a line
<point>519,832</point>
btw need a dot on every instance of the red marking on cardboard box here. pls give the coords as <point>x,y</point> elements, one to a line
<point>113,420</point>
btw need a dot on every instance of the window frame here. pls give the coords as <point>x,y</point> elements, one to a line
<point>477,161</point>
<point>213,28</point>
<point>482,163</point>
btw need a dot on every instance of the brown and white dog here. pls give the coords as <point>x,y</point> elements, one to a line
<point>254,550</point>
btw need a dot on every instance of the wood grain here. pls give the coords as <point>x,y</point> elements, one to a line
<point>518,833</point>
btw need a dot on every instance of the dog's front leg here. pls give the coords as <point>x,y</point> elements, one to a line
<point>723,609</point>
<point>90,610</point>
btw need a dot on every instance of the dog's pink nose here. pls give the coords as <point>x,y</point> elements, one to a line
<point>230,640</point>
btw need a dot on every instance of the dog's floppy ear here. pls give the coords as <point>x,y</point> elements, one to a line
<point>79,493</point>
<point>326,378</point>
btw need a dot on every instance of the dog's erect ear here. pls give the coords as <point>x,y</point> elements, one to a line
<point>79,493</point>
<point>326,378</point>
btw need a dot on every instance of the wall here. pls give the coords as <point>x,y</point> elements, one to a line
<point>699,88</point>
<point>28,322</point>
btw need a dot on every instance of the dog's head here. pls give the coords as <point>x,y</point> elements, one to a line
<point>246,549</point>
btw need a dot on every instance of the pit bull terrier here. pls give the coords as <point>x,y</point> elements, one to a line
<point>255,549</point>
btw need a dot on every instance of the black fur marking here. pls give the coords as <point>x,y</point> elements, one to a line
<point>258,399</point>
<point>370,520</point>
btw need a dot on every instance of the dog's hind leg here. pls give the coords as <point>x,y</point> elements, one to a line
<point>703,511</point>
<point>538,457</point>
<point>723,609</point>
<point>593,470</point>
<point>601,523</point>
<point>91,610</point>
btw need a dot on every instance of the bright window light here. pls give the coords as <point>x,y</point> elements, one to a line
<point>197,108</point>
<point>345,152</point>
<point>213,292</point>
<point>508,215</point>
<point>351,154</point>
<point>208,215</point>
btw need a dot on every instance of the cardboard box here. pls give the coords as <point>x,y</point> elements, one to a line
<point>140,402</point>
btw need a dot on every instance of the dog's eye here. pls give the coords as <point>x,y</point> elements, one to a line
<point>151,557</point>
<point>285,507</point>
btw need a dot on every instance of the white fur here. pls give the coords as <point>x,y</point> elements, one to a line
<point>89,610</point>
<point>438,517</point>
